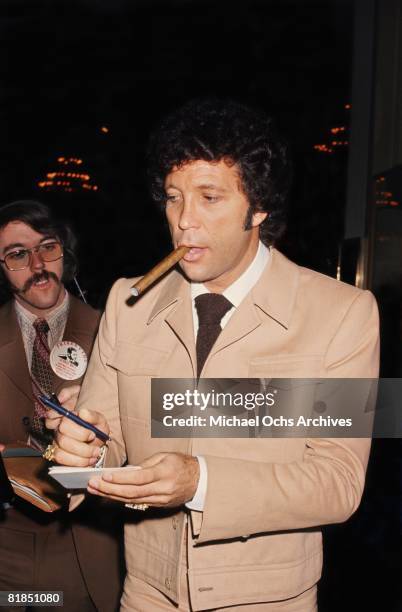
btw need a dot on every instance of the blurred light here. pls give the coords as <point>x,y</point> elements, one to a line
<point>104,129</point>
<point>68,179</point>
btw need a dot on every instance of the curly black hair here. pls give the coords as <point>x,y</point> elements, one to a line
<point>212,129</point>
<point>40,218</point>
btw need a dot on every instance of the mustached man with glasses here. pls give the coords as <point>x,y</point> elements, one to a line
<point>41,551</point>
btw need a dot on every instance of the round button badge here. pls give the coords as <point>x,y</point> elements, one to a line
<point>68,360</point>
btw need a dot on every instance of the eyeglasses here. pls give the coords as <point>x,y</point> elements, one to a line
<point>21,258</point>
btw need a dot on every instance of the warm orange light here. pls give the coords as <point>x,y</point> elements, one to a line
<point>335,130</point>
<point>322,148</point>
<point>104,129</point>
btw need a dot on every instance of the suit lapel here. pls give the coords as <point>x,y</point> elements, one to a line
<point>273,295</point>
<point>243,321</point>
<point>76,329</point>
<point>276,291</point>
<point>179,318</point>
<point>13,364</point>
<point>79,329</point>
<point>13,360</point>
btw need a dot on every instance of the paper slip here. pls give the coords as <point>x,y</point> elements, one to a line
<point>78,478</point>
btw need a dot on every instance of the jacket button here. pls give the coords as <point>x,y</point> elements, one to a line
<point>320,407</point>
<point>175,522</point>
<point>167,583</point>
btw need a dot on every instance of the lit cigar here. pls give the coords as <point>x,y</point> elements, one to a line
<point>160,268</point>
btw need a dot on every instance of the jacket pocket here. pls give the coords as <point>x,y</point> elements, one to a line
<point>137,359</point>
<point>136,365</point>
<point>292,382</point>
<point>286,366</point>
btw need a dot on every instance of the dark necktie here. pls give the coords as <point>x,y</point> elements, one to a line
<point>41,373</point>
<point>211,308</point>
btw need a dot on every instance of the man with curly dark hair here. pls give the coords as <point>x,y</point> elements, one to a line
<point>228,523</point>
<point>217,130</point>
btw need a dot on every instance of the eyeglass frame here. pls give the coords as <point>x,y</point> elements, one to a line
<point>30,251</point>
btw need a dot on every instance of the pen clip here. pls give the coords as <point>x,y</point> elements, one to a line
<point>55,399</point>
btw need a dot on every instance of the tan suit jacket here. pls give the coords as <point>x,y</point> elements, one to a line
<point>258,538</point>
<point>90,530</point>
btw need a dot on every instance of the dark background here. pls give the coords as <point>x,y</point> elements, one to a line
<point>72,67</point>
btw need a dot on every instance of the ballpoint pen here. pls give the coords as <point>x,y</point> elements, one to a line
<point>55,404</point>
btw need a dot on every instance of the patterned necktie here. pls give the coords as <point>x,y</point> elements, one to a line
<point>41,373</point>
<point>211,308</point>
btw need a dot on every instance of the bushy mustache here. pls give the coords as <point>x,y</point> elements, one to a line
<point>36,278</point>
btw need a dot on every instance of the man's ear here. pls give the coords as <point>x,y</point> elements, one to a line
<point>258,218</point>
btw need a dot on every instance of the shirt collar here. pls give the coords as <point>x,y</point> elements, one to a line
<point>238,290</point>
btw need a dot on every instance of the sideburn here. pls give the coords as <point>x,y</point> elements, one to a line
<point>248,219</point>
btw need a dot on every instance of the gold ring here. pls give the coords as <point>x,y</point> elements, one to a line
<point>49,452</point>
<point>137,506</point>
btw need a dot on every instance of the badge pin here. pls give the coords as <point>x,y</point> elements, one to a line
<point>68,360</point>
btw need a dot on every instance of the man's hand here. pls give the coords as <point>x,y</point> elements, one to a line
<point>2,447</point>
<point>166,480</point>
<point>68,398</point>
<point>75,445</point>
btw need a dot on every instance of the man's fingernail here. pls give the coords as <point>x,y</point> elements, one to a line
<point>91,437</point>
<point>94,483</point>
<point>93,460</point>
<point>108,477</point>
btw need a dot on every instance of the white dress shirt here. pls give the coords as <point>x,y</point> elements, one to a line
<point>235,293</point>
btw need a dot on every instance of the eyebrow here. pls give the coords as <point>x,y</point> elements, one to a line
<point>211,186</point>
<point>18,245</point>
<point>202,186</point>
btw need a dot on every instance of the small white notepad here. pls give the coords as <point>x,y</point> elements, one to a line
<point>78,478</point>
